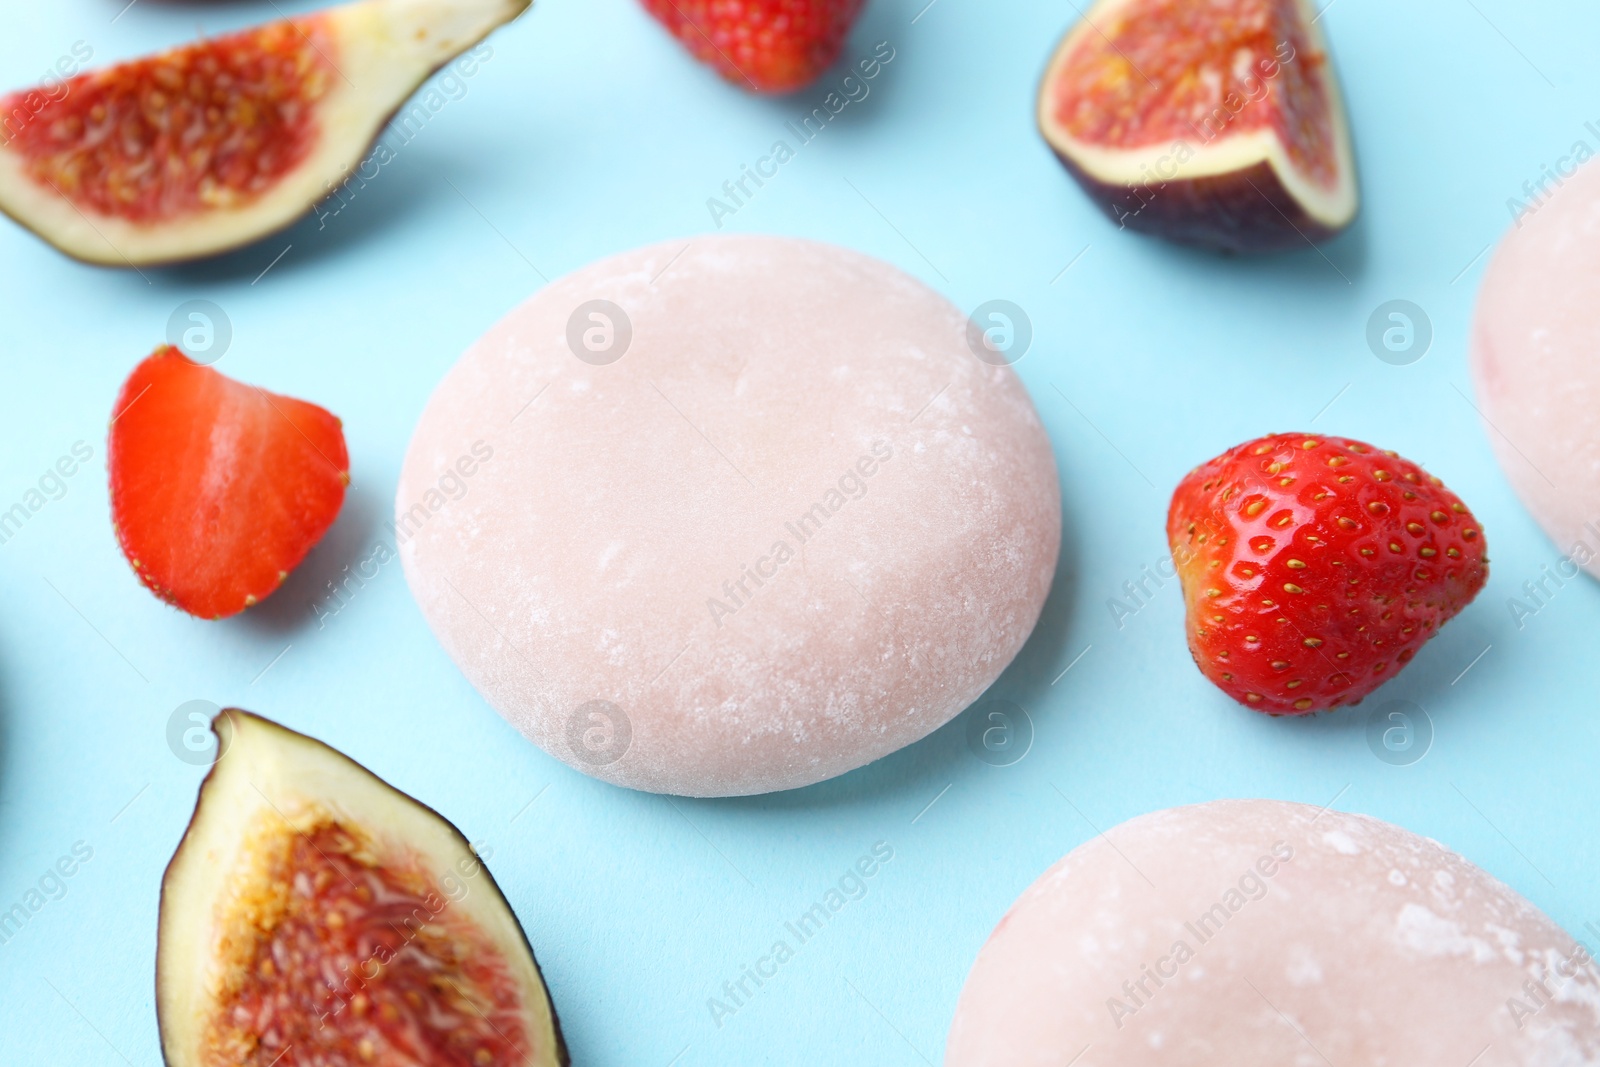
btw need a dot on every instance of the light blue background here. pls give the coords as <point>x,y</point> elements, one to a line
<point>589,132</point>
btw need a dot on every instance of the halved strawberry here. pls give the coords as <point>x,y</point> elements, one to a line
<point>218,489</point>
<point>1313,568</point>
<point>771,46</point>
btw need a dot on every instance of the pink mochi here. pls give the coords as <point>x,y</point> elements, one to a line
<point>771,522</point>
<point>1243,933</point>
<point>1536,364</point>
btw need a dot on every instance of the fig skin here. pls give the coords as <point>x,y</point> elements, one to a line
<point>169,1029</point>
<point>1245,212</point>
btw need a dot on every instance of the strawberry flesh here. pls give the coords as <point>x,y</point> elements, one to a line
<point>770,46</point>
<point>1314,567</point>
<point>218,489</point>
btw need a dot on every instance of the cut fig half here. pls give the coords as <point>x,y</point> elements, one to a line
<point>1216,123</point>
<point>313,915</point>
<point>220,142</point>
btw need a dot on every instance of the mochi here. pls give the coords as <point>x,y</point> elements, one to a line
<point>730,515</point>
<point>1257,932</point>
<point>1536,363</point>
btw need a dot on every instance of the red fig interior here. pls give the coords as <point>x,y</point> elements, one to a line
<point>1216,122</point>
<point>216,143</point>
<point>314,915</point>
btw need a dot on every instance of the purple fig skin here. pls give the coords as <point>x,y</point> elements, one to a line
<point>1246,211</point>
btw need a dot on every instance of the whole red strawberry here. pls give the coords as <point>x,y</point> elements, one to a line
<point>218,489</point>
<point>1313,568</point>
<point>771,46</point>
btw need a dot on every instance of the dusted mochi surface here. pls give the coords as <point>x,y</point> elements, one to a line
<point>1368,945</point>
<point>1536,363</point>
<point>596,555</point>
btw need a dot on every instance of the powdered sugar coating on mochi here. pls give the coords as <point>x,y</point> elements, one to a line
<point>1308,937</point>
<point>794,527</point>
<point>1536,364</point>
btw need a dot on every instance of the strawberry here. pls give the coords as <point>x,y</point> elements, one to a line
<point>771,46</point>
<point>218,489</point>
<point>1313,568</point>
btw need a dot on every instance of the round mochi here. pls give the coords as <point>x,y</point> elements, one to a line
<point>1255,932</point>
<point>729,515</point>
<point>1536,363</point>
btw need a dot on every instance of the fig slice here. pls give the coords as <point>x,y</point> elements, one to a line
<point>1216,123</point>
<point>314,915</point>
<point>217,143</point>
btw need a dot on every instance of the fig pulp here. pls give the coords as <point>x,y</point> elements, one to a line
<point>1209,122</point>
<point>313,915</point>
<point>217,143</point>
